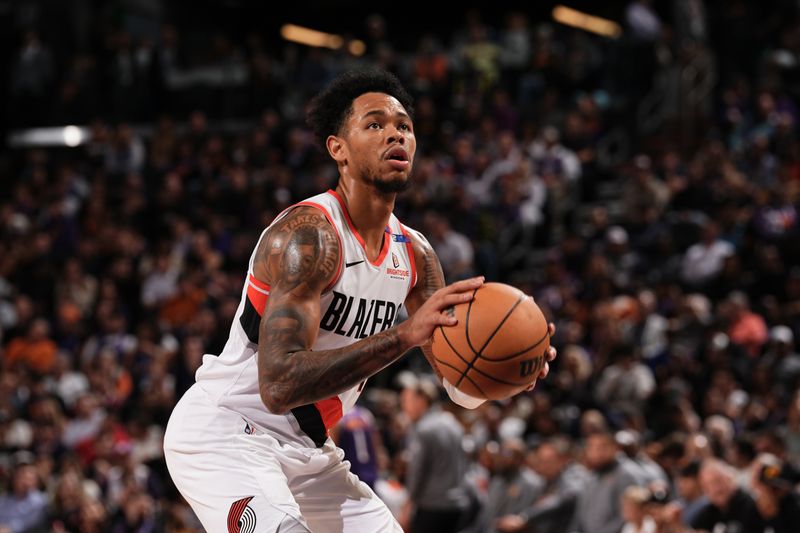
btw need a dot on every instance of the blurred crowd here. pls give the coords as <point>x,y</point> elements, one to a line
<point>669,261</point>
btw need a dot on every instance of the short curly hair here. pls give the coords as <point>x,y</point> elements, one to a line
<point>329,110</point>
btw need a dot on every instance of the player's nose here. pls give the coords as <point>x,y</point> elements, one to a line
<point>395,137</point>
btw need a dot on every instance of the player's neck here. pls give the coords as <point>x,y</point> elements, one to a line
<point>369,212</point>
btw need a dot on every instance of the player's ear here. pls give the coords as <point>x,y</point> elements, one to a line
<point>336,148</point>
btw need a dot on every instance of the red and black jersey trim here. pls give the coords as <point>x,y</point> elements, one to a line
<point>254,304</point>
<point>316,419</point>
<point>310,421</point>
<point>250,321</point>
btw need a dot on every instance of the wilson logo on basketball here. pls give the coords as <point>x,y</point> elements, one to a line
<point>529,366</point>
<point>397,272</point>
<point>241,517</point>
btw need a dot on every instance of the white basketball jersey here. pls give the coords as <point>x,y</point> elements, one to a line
<point>364,298</point>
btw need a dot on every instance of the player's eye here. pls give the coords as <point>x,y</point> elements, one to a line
<point>405,127</point>
<point>373,125</point>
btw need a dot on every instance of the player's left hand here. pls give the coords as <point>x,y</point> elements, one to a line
<point>549,356</point>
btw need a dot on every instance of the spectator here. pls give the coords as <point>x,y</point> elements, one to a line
<point>24,508</point>
<point>32,76</point>
<point>745,328</point>
<point>704,260</point>
<point>127,154</point>
<point>136,514</point>
<point>626,384</point>
<point>629,441</point>
<point>437,463</point>
<point>553,159</point>
<point>598,507</point>
<point>633,503</point>
<point>728,505</point>
<point>623,261</point>
<point>162,280</point>
<point>644,196</point>
<point>777,503</point>
<point>690,493</point>
<point>781,357</point>
<point>356,434</point>
<point>564,480</point>
<point>790,430</point>
<point>88,419</point>
<point>36,351</point>
<point>77,287</point>
<point>454,249</point>
<point>513,487</point>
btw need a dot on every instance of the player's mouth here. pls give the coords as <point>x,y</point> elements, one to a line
<point>397,158</point>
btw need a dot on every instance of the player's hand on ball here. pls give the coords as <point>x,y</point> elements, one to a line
<point>418,329</point>
<point>550,355</point>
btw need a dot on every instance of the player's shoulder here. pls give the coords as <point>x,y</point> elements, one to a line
<point>303,224</point>
<point>418,241</point>
<point>308,230</point>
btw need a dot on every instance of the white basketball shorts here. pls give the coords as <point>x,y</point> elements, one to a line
<point>239,479</point>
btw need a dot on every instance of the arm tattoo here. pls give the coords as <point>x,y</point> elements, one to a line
<point>290,379</point>
<point>299,258</point>
<point>433,274</point>
<point>432,280</point>
<point>302,248</point>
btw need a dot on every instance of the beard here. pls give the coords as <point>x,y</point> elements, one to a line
<point>389,186</point>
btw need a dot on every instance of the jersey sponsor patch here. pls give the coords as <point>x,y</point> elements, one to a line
<point>241,517</point>
<point>397,272</point>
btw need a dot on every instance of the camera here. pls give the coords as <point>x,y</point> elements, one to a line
<point>779,476</point>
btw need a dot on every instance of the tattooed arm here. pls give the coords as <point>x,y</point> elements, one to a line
<point>298,258</point>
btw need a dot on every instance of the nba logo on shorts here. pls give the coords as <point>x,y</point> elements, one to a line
<point>395,260</point>
<point>241,517</point>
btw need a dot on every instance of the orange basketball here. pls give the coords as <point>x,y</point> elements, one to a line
<point>498,347</point>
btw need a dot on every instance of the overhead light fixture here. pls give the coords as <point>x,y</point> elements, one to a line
<point>68,135</point>
<point>584,21</point>
<point>320,39</point>
<point>73,136</point>
<point>357,47</point>
<point>309,37</point>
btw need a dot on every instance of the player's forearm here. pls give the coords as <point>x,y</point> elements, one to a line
<point>290,375</point>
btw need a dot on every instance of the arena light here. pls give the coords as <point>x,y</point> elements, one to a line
<point>309,37</point>
<point>72,135</point>
<point>357,47</point>
<point>584,21</point>
<point>69,135</point>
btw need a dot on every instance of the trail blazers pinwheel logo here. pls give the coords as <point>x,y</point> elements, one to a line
<point>241,517</point>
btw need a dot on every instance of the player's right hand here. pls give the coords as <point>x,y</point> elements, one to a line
<point>418,329</point>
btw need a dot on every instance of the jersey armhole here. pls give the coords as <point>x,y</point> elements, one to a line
<point>338,237</point>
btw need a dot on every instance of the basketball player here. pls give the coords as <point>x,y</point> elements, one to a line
<point>248,444</point>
